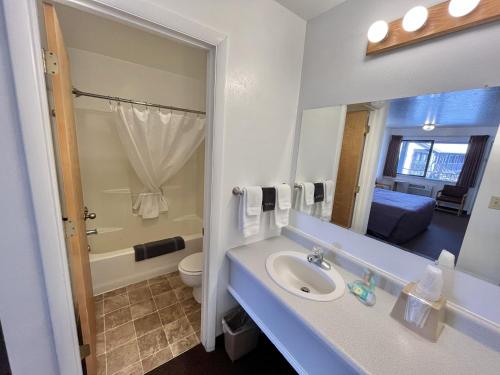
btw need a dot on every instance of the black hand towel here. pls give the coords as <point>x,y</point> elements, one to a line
<point>319,192</point>
<point>157,248</point>
<point>268,198</point>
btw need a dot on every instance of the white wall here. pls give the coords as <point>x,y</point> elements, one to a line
<point>106,171</point>
<point>440,134</point>
<point>264,63</point>
<point>480,253</point>
<point>320,143</point>
<point>23,300</point>
<point>336,70</point>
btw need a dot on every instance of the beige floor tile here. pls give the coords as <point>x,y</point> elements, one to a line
<point>98,298</point>
<point>135,369</point>
<point>195,320</point>
<point>190,305</point>
<point>178,330</point>
<point>157,359</point>
<point>139,294</point>
<point>140,284</point>
<point>101,364</point>
<point>115,292</point>
<point>184,344</point>
<point>115,303</point>
<point>119,336</point>
<point>165,299</point>
<point>99,324</point>
<point>157,279</point>
<point>184,292</point>
<point>100,349</point>
<point>99,308</point>
<point>160,287</point>
<point>152,342</point>
<point>117,318</point>
<point>122,357</point>
<point>175,281</point>
<point>171,313</point>
<point>147,324</point>
<point>142,308</point>
<point>172,274</point>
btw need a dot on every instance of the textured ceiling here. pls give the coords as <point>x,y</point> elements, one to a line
<point>479,107</point>
<point>308,9</point>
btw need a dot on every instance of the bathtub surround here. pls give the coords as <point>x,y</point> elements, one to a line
<point>143,325</point>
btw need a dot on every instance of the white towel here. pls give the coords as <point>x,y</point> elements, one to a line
<point>250,210</point>
<point>283,205</point>
<point>299,199</point>
<point>327,204</point>
<point>308,193</point>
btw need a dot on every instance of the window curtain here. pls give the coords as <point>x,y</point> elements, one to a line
<point>392,158</point>
<point>157,145</point>
<point>472,162</point>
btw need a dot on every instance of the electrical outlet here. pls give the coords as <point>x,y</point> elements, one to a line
<point>494,203</point>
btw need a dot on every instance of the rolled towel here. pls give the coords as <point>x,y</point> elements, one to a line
<point>250,209</point>
<point>283,205</point>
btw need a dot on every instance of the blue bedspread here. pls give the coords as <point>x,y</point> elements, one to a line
<point>398,217</point>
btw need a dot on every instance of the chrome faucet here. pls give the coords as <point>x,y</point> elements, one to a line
<point>317,258</point>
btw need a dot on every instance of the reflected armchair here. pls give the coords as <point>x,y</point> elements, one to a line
<point>452,194</point>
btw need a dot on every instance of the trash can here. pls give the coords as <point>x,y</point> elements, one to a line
<point>241,334</point>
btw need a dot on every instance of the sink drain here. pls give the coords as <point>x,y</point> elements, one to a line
<point>305,289</point>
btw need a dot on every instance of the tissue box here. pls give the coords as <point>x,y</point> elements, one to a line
<point>433,325</point>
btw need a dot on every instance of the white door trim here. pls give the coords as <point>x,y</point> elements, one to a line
<point>23,34</point>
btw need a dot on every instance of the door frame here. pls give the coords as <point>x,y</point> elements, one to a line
<point>24,40</point>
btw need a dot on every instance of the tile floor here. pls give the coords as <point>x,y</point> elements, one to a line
<point>143,325</point>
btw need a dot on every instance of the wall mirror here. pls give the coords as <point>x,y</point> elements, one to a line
<point>420,173</point>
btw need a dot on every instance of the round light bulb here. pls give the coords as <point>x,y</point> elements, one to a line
<point>378,31</point>
<point>415,18</point>
<point>428,127</point>
<point>460,8</point>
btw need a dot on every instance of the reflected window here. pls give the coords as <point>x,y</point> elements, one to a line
<point>433,160</point>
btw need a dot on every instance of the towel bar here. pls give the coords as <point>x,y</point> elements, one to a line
<point>239,191</point>
<point>297,186</point>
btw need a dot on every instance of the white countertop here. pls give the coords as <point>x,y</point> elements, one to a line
<point>367,337</point>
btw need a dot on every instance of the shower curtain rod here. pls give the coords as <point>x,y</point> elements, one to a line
<point>79,93</point>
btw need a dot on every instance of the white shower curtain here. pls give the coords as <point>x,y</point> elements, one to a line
<point>158,144</point>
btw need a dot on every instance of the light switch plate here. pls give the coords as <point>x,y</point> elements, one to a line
<point>494,203</point>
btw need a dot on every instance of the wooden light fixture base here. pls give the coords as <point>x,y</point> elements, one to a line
<point>439,22</point>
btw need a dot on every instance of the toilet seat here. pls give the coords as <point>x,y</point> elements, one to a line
<point>192,264</point>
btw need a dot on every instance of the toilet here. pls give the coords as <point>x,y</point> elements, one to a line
<point>190,271</point>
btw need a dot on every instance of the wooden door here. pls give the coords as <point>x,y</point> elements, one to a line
<point>351,156</point>
<point>71,189</point>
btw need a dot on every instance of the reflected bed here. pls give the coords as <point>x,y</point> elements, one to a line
<point>398,217</point>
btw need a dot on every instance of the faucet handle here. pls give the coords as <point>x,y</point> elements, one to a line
<point>318,251</point>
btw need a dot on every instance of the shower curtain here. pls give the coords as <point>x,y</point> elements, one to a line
<point>157,144</point>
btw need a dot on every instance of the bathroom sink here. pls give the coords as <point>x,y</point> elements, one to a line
<point>292,271</point>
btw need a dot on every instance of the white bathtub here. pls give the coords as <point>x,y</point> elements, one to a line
<point>118,268</point>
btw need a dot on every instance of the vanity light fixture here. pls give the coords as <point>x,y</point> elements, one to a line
<point>378,31</point>
<point>428,127</point>
<point>415,18</point>
<point>460,8</point>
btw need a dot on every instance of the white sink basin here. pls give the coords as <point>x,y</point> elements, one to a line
<point>291,271</point>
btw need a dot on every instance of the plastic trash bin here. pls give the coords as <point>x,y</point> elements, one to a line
<point>241,334</point>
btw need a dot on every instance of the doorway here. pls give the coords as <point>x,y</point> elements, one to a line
<point>351,157</point>
<point>117,309</point>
